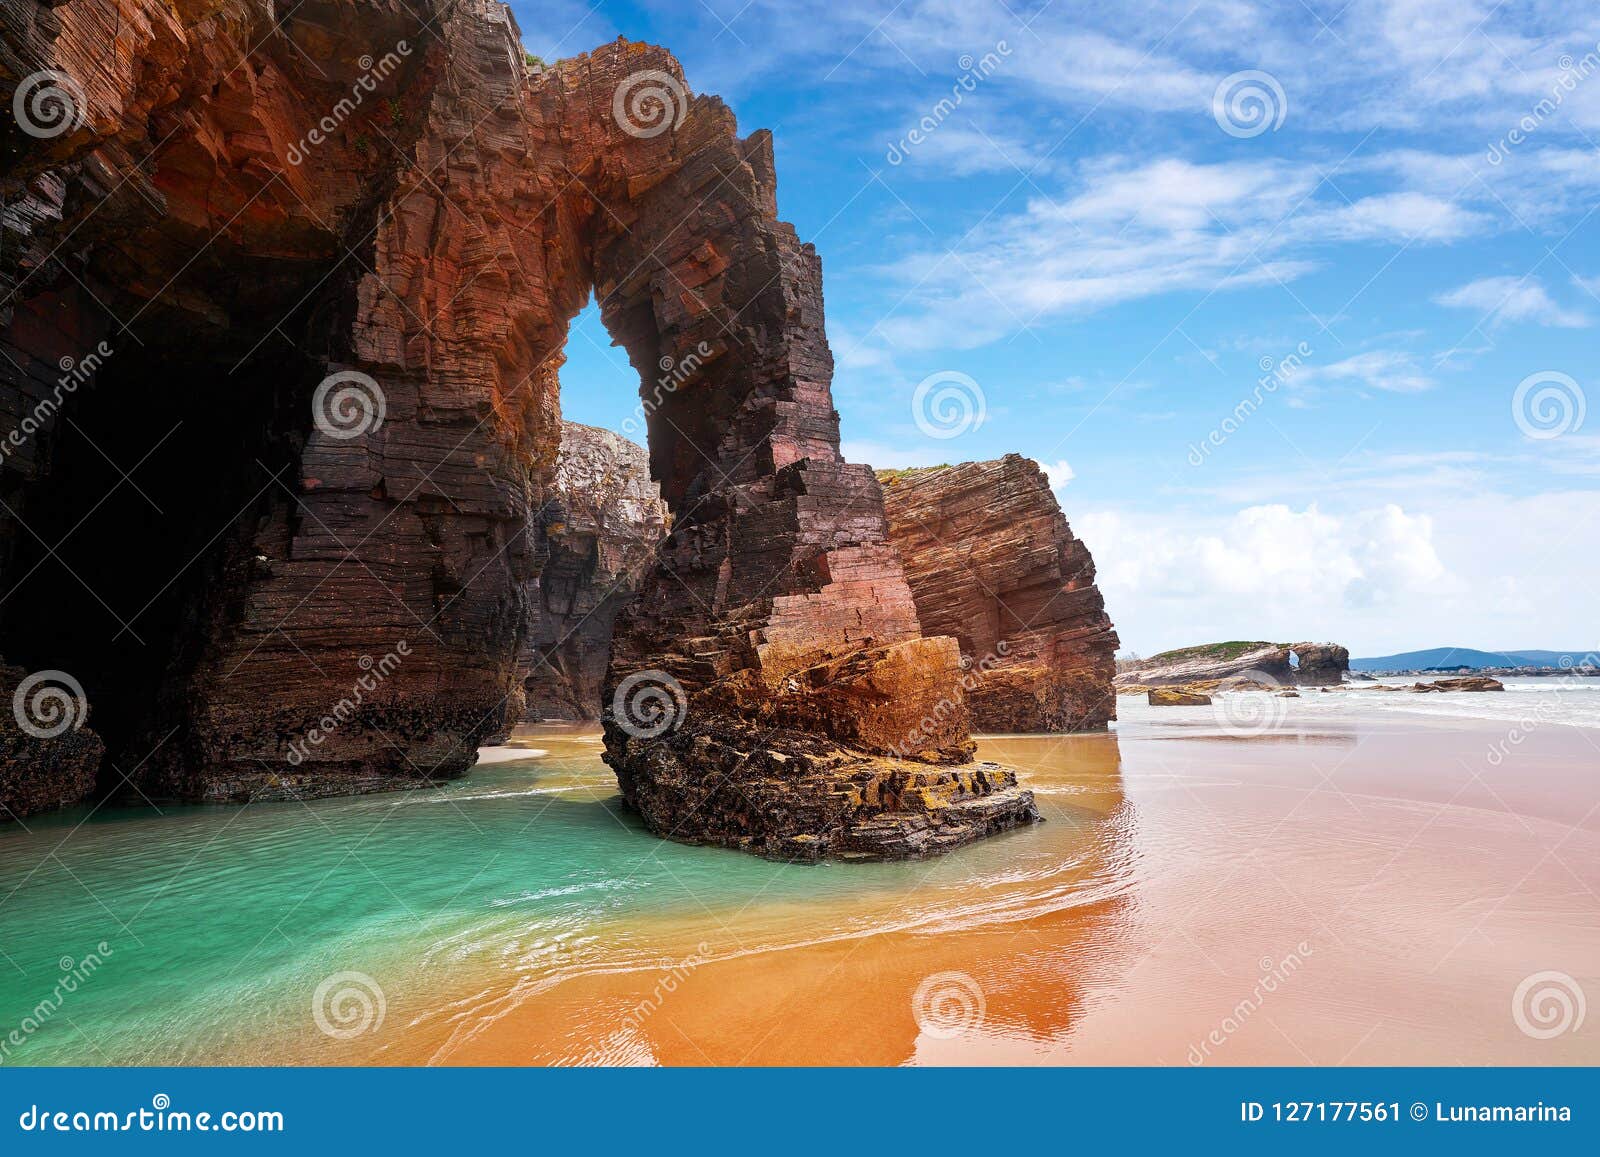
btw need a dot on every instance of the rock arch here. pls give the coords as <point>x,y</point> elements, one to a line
<point>418,253</point>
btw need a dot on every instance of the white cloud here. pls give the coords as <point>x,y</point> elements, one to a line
<point>1060,474</point>
<point>1392,370</point>
<point>1134,229</point>
<point>1378,578</point>
<point>1511,299</point>
<point>1403,216</point>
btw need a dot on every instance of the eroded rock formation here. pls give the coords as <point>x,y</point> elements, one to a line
<point>288,536</point>
<point>602,526</point>
<point>992,562</point>
<point>1240,663</point>
<point>1320,664</point>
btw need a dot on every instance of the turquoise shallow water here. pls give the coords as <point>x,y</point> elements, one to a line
<point>219,923</point>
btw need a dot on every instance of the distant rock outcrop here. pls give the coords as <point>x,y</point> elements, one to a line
<point>992,562</point>
<point>602,528</point>
<point>1285,664</point>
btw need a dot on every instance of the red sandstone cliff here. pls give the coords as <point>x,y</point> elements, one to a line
<point>992,562</point>
<point>325,261</point>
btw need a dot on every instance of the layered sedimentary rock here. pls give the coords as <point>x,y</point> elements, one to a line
<point>602,525</point>
<point>1320,664</point>
<point>992,562</point>
<point>47,755</point>
<point>1284,664</point>
<point>324,262</point>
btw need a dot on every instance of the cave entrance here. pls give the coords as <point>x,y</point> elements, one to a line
<point>160,468</point>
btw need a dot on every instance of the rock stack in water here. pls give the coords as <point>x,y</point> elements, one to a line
<point>322,298</point>
<point>992,562</point>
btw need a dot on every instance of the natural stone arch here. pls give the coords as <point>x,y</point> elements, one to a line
<point>499,199</point>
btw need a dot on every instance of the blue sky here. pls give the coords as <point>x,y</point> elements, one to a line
<point>1114,253</point>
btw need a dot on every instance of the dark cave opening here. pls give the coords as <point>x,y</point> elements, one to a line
<point>161,470</point>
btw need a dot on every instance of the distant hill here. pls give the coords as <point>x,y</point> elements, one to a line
<point>1470,657</point>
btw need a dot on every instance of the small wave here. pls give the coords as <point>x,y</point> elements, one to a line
<point>566,890</point>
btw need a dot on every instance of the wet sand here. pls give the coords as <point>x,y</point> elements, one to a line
<point>1363,889</point>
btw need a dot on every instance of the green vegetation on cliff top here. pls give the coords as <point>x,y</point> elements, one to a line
<point>1229,650</point>
<point>890,477</point>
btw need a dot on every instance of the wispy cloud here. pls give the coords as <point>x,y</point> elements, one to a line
<point>1502,300</point>
<point>1127,230</point>
<point>1393,370</point>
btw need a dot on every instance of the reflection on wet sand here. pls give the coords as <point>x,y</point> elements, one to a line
<point>1357,891</point>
